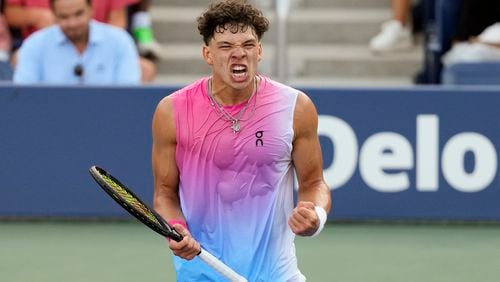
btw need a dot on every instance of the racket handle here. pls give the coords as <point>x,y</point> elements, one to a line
<point>218,265</point>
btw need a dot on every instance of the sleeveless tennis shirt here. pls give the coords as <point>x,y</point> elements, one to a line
<point>236,189</point>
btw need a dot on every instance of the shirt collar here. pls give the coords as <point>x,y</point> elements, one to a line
<point>95,34</point>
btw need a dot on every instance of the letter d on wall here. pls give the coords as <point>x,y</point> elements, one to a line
<point>345,148</point>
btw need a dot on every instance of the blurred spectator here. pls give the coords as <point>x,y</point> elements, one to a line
<point>31,15</point>
<point>478,34</point>
<point>28,15</point>
<point>141,28</point>
<point>78,50</point>
<point>395,34</point>
<point>113,12</point>
<point>483,48</point>
<point>475,16</point>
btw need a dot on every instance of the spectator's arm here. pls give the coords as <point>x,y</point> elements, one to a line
<point>28,63</point>
<point>118,18</point>
<point>128,70</point>
<point>21,17</point>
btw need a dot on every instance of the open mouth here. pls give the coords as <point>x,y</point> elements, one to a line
<point>239,71</point>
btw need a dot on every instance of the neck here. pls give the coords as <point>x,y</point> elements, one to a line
<point>81,42</point>
<point>228,96</point>
<point>80,46</point>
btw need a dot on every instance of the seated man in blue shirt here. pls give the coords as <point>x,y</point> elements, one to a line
<point>78,50</point>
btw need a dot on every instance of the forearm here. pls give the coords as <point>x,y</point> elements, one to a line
<point>316,192</point>
<point>18,17</point>
<point>21,17</point>
<point>167,204</point>
<point>118,18</point>
<point>165,170</point>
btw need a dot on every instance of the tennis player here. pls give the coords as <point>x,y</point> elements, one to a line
<point>225,152</point>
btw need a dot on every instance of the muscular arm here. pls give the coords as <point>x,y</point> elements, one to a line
<point>165,172</point>
<point>166,178</point>
<point>307,158</point>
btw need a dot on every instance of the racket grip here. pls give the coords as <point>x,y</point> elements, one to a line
<point>218,265</point>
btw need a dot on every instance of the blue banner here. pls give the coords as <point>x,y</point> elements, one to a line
<point>389,154</point>
<point>417,154</point>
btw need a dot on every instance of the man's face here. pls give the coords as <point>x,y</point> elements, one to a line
<point>234,57</point>
<point>73,16</point>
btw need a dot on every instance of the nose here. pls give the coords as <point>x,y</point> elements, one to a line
<point>239,52</point>
<point>72,22</point>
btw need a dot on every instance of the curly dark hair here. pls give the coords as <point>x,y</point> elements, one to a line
<point>233,15</point>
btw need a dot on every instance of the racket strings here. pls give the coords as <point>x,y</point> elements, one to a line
<point>130,199</point>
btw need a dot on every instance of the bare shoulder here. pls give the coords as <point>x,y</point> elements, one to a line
<point>164,106</point>
<point>305,116</point>
<point>163,120</point>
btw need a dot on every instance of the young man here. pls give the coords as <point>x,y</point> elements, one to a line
<point>78,50</point>
<point>225,149</point>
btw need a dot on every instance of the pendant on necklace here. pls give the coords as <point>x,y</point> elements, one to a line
<point>236,126</point>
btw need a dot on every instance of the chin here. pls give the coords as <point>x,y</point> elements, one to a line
<point>247,78</point>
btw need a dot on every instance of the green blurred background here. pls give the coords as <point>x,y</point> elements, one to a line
<point>125,251</point>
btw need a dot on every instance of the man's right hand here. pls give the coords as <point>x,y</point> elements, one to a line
<point>188,247</point>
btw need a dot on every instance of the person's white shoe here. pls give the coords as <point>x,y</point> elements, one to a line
<point>392,37</point>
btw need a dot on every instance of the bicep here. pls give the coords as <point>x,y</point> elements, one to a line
<point>307,157</point>
<point>165,171</point>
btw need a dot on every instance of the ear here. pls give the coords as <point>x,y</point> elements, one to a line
<point>261,52</point>
<point>207,55</point>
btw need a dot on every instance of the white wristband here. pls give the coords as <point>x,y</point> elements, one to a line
<point>322,219</point>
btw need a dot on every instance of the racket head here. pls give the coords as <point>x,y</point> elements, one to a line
<point>132,203</point>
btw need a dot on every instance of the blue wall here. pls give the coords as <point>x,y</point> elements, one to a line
<point>51,136</point>
<point>449,171</point>
<point>413,153</point>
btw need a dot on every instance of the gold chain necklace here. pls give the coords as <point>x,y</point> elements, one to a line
<point>235,120</point>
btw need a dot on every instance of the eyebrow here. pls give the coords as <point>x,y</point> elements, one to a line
<point>230,43</point>
<point>76,13</point>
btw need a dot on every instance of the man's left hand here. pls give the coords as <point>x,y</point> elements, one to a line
<point>304,220</point>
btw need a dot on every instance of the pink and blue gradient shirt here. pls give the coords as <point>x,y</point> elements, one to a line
<point>236,188</point>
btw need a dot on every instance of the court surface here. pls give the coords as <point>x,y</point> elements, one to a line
<point>128,251</point>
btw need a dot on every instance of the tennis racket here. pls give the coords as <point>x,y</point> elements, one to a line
<point>136,207</point>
